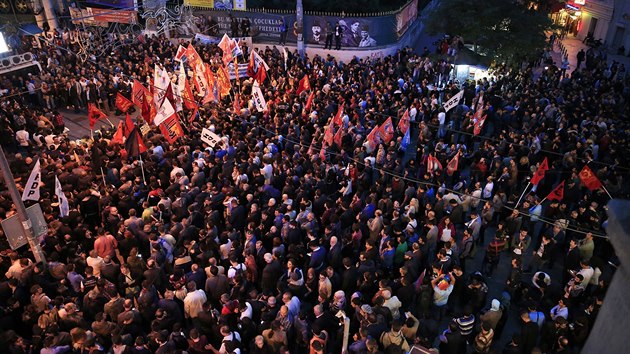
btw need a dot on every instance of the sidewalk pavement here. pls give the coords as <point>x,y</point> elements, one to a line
<point>573,45</point>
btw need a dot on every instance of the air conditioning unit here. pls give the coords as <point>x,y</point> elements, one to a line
<point>16,62</point>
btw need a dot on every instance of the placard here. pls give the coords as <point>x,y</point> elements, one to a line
<point>209,137</point>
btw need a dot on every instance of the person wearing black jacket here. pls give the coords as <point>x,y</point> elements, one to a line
<point>529,333</point>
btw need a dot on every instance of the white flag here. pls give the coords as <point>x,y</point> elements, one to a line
<point>160,83</point>
<point>163,113</point>
<point>31,189</point>
<point>286,57</point>
<point>258,61</point>
<point>454,101</point>
<point>64,209</point>
<point>259,99</point>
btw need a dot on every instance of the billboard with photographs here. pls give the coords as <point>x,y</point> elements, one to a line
<point>357,32</point>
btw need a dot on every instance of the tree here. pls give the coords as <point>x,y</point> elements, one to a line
<point>506,31</point>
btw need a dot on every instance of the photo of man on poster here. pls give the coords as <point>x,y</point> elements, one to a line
<point>366,40</point>
<point>316,30</point>
<point>352,34</point>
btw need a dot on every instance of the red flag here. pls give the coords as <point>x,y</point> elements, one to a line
<point>236,105</point>
<point>224,44</point>
<point>452,165</point>
<point>236,70</point>
<point>338,121</point>
<point>403,124</point>
<point>171,129</point>
<point>134,144</point>
<point>119,135</point>
<point>557,193</point>
<point>540,173</point>
<point>187,96</point>
<point>146,110</point>
<point>433,164</point>
<point>373,138</point>
<point>128,126</point>
<point>338,136</point>
<point>94,114</point>
<point>193,57</point>
<point>122,103</point>
<point>479,124</point>
<point>309,101</point>
<point>194,114</point>
<point>257,68</point>
<point>328,135</point>
<point>304,85</point>
<point>223,80</point>
<point>387,130</point>
<point>322,153</point>
<point>589,179</point>
<point>137,93</point>
<point>169,94</point>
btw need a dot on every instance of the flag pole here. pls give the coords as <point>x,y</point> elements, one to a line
<point>142,167</point>
<point>110,122</point>
<point>103,175</point>
<point>545,198</point>
<point>522,194</point>
<point>606,190</point>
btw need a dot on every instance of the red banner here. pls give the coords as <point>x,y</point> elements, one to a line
<point>117,16</point>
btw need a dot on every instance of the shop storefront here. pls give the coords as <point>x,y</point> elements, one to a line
<point>569,18</point>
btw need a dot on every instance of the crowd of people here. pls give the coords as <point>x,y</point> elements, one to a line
<point>268,243</point>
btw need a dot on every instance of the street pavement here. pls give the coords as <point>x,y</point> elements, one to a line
<point>79,125</point>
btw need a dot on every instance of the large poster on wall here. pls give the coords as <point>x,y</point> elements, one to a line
<point>264,27</point>
<point>362,32</point>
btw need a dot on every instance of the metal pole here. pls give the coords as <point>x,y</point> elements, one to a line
<point>21,210</point>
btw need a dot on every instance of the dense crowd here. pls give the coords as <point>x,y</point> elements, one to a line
<point>265,242</point>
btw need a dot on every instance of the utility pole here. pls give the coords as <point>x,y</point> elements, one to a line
<point>299,19</point>
<point>27,226</point>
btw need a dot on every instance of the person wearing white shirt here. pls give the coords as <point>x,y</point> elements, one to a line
<point>442,119</point>
<point>194,300</point>
<point>487,189</point>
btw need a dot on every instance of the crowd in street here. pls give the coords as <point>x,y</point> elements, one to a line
<point>268,243</point>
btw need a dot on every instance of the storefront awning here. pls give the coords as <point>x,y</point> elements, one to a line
<point>30,29</point>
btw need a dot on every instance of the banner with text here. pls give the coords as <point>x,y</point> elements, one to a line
<point>264,27</point>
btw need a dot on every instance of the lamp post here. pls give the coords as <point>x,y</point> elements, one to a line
<point>21,210</point>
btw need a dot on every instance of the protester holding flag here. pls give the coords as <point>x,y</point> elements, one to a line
<point>207,203</point>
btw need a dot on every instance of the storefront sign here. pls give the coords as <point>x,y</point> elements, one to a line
<point>579,2</point>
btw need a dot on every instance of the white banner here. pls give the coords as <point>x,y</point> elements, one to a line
<point>210,138</point>
<point>161,82</point>
<point>64,209</point>
<point>454,101</point>
<point>259,99</point>
<point>163,113</point>
<point>31,188</point>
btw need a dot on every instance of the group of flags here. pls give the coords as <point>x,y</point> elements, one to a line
<point>31,189</point>
<point>586,176</point>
